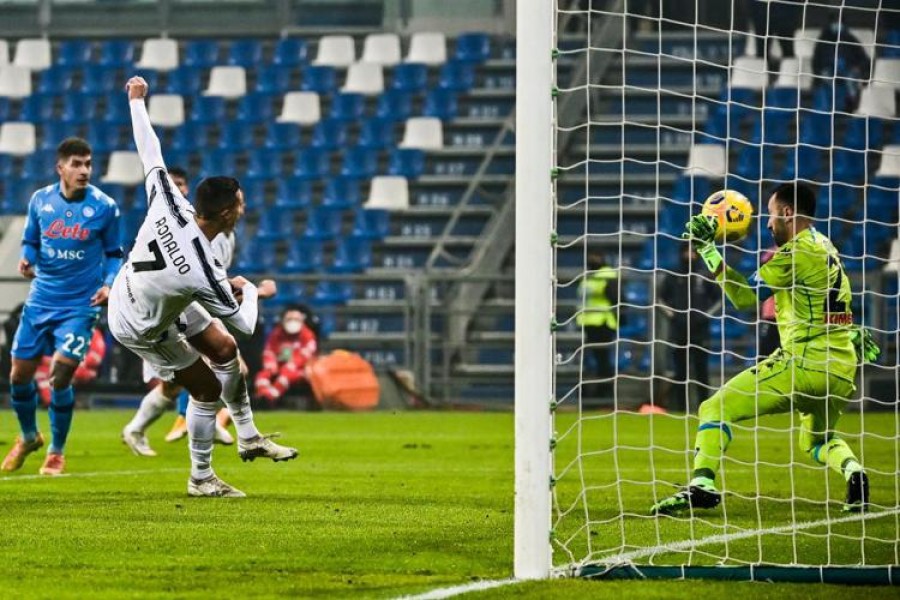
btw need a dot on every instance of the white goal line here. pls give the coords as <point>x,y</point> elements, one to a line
<point>13,478</point>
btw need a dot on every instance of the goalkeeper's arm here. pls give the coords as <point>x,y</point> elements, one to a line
<point>701,230</point>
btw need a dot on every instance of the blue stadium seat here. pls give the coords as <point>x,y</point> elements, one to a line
<point>185,80</point>
<point>265,162</point>
<point>189,137</point>
<point>282,136</point>
<point>201,53</point>
<point>347,106</point>
<point>217,162</point>
<point>72,53</point>
<point>289,292</point>
<point>37,108</point>
<point>55,80</point>
<point>410,77</point>
<point>116,53</point>
<point>273,80</point>
<point>78,108</point>
<point>40,166</point>
<point>294,192</point>
<point>376,133</point>
<point>17,192</point>
<point>245,53</point>
<point>456,76</point>
<point>178,158</point>
<point>256,256</point>
<point>100,80</point>
<point>848,165</point>
<point>408,162</point>
<point>361,163</point>
<point>304,255</point>
<point>371,223</point>
<point>151,77</point>
<point>276,224</point>
<point>235,135</point>
<point>136,201</point>
<point>329,134</point>
<point>473,47</point>
<point>332,293</point>
<point>803,162</point>
<point>881,197</point>
<point>754,161</point>
<point>255,191</point>
<point>394,105</point>
<point>351,255</point>
<point>131,224</point>
<point>441,103</point>
<point>255,108</point>
<point>289,52</point>
<point>841,198</point>
<point>117,113</point>
<point>207,110</point>
<point>319,79</point>
<point>863,133</point>
<point>815,128</point>
<point>6,166</point>
<point>323,223</point>
<point>827,98</point>
<point>103,137</point>
<point>311,163</point>
<point>5,111</point>
<point>341,192</point>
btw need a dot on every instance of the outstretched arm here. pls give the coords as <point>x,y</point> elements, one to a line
<point>701,231</point>
<point>144,137</point>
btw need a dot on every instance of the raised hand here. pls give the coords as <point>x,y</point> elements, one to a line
<point>700,229</point>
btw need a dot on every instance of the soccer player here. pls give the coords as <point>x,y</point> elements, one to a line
<point>70,248</point>
<point>813,372</point>
<point>170,267</point>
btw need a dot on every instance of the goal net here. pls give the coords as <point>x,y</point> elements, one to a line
<point>654,106</point>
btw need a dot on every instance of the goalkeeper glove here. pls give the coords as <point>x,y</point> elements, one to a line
<point>867,349</point>
<point>702,231</point>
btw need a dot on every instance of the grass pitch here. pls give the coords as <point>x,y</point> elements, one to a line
<point>379,505</point>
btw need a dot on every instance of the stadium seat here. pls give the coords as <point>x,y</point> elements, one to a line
<point>890,162</point>
<point>311,163</point>
<point>407,162</point>
<point>37,108</point>
<point>5,112</point>
<point>166,110</point>
<point>457,76</point>
<point>319,79</point>
<point>255,190</point>
<point>158,54</point>
<point>359,163</point>
<point>804,162</point>
<point>371,223</point>
<point>805,42</point>
<point>264,163</point>
<point>427,48</point>
<point>55,80</point>
<point>124,168</point>
<point>50,134</point>
<point>394,105</point>
<point>342,192</point>
<point>17,139</point>
<point>116,53</point>
<point>189,137</point>
<point>410,77</point>
<point>276,224</point>
<point>235,136</point>
<point>202,54</point>
<point>273,80</point>
<point>425,133</point>
<point>79,108</point>
<point>245,53</point>
<point>376,133</point>
<point>4,52</point>
<point>862,133</point>
<point>364,78</point>
<point>886,73</point>
<point>329,134</point>
<point>331,293</point>
<point>15,82</point>
<point>351,255</point>
<point>103,137</point>
<point>753,161</point>
<point>441,103</point>
<point>99,80</point>
<point>473,47</point>
<point>185,80</point>
<point>774,126</point>
<point>33,54</point>
<point>208,110</point>
<point>256,256</point>
<point>381,49</point>
<point>335,51</point>
<point>877,102</point>
<point>323,223</point>
<point>706,160</point>
<point>290,52</point>
<point>302,108</point>
<point>255,108</point>
<point>794,75</point>
<point>304,255</point>
<point>39,166</point>
<point>390,193</point>
<point>841,198</point>
<point>73,53</point>
<point>118,113</point>
<point>217,162</point>
<point>227,82</point>
<point>294,192</point>
<point>749,73</point>
<point>282,136</point>
<point>347,106</point>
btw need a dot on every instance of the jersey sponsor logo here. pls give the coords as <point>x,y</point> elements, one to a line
<point>59,230</point>
<point>65,254</point>
<point>88,212</point>
<point>170,246</point>
<point>839,318</point>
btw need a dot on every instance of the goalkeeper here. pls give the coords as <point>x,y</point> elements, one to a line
<point>815,369</point>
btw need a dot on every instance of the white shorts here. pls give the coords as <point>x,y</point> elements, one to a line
<point>193,321</point>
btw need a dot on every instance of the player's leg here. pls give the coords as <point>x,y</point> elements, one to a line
<point>24,400</point>
<point>152,406</point>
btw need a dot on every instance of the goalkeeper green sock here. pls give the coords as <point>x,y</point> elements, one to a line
<point>838,456</point>
<point>712,439</point>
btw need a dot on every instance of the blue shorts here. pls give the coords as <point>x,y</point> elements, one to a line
<point>65,330</point>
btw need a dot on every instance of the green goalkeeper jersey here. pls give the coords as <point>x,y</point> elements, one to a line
<point>812,304</point>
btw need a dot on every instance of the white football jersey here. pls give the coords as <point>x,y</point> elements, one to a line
<point>172,264</point>
<point>223,248</point>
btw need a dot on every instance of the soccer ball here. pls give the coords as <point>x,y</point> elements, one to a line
<point>733,213</point>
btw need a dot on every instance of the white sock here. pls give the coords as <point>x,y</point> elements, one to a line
<point>235,397</point>
<point>201,425</point>
<point>153,405</point>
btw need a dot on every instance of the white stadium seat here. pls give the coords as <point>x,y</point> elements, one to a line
<point>4,52</point>
<point>382,49</point>
<point>805,42</point>
<point>166,110</point>
<point>18,139</point>
<point>15,82</point>
<point>749,72</point>
<point>887,73</point>
<point>158,54</point>
<point>302,108</point>
<point>890,162</point>
<point>33,54</point>
<point>793,73</point>
<point>227,82</point>
<point>124,168</point>
<point>706,160</point>
<point>427,48</point>
<point>424,133</point>
<point>877,102</point>
<point>364,78</point>
<point>335,51</point>
<point>388,192</point>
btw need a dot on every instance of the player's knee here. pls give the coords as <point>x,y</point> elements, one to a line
<point>711,409</point>
<point>224,352</point>
<point>170,389</point>
<point>61,375</point>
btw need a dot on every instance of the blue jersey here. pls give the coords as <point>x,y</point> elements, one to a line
<point>73,245</point>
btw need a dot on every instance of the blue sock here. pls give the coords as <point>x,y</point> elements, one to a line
<point>61,404</point>
<point>182,402</point>
<point>24,402</point>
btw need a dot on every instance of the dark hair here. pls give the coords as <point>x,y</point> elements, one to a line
<point>798,196</point>
<point>72,146</point>
<point>215,194</point>
<point>178,172</point>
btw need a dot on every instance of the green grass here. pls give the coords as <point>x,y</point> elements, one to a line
<point>379,505</point>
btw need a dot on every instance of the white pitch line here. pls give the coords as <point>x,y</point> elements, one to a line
<point>92,474</point>
<point>730,537</point>
<point>456,590</point>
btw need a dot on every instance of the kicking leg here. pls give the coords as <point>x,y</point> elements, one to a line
<point>62,403</point>
<point>153,405</point>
